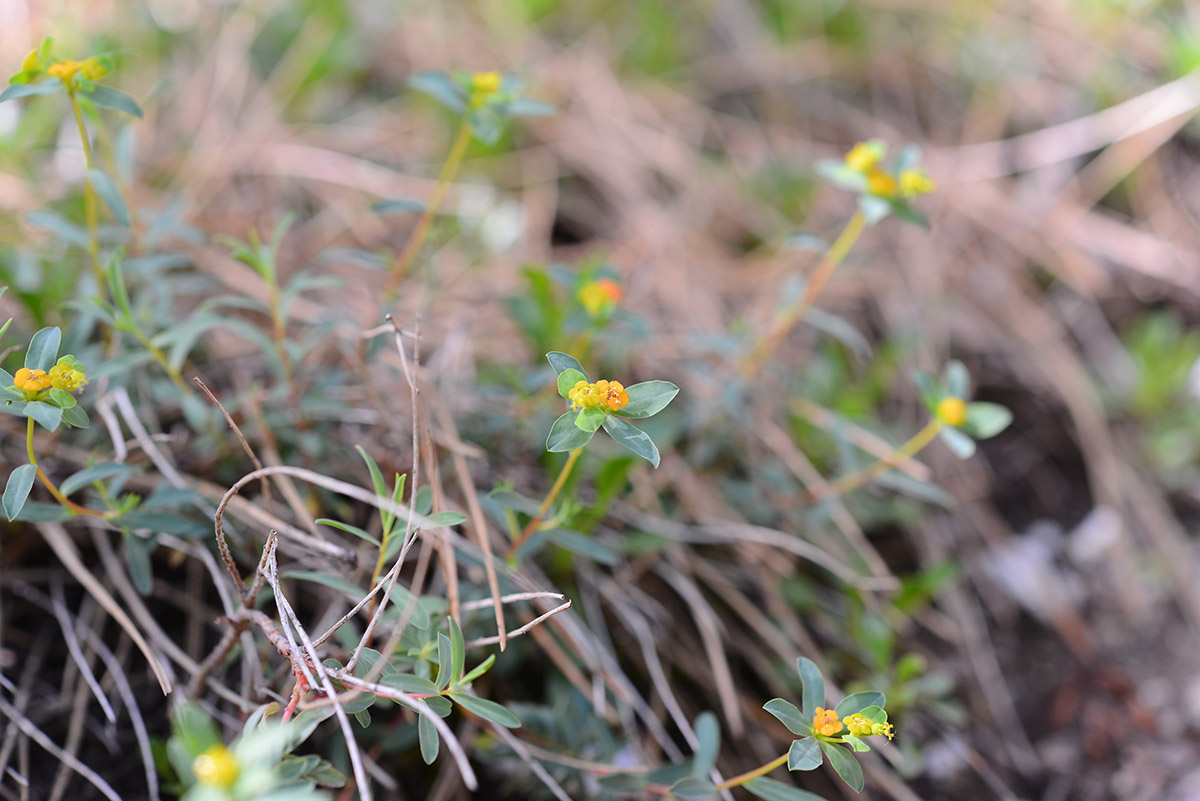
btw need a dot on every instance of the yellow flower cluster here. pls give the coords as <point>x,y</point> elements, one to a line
<point>31,382</point>
<point>599,296</point>
<point>90,68</point>
<point>865,158</point>
<point>952,411</point>
<point>861,726</point>
<point>216,767</point>
<point>826,722</point>
<point>67,376</point>
<point>483,86</point>
<point>602,393</point>
<point>63,70</point>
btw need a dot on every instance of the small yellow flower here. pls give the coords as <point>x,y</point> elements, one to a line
<point>31,382</point>
<point>67,377</point>
<point>600,296</point>
<point>64,70</point>
<point>886,729</point>
<point>486,83</point>
<point>92,69</point>
<point>826,722</point>
<point>216,767</point>
<point>858,725</point>
<point>31,61</point>
<point>914,182</point>
<point>952,411</point>
<point>864,156</point>
<point>611,394</point>
<point>881,183</point>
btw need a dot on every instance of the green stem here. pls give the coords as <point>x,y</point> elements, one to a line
<point>559,483</point>
<point>737,781</point>
<point>89,195</point>
<point>449,170</point>
<point>787,320</point>
<point>58,496</point>
<point>852,481</point>
<point>164,362</point>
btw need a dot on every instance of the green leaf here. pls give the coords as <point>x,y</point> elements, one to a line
<point>561,361</point>
<point>845,764</point>
<point>632,438</point>
<point>446,519</point>
<point>349,529</point>
<point>875,714</point>
<point>114,99</point>
<point>137,556</point>
<point>956,381</point>
<point>841,330</point>
<point>441,87</point>
<point>528,108</point>
<point>48,87</point>
<point>165,522</point>
<point>787,714</point>
<point>405,206</point>
<point>648,398</point>
<point>839,174</point>
<point>693,787</point>
<point>458,652</point>
<point>488,710</point>
<point>959,443</point>
<point>427,736</point>
<point>813,686</point>
<point>445,661</point>
<point>480,669</point>
<point>908,212</point>
<point>857,702</point>
<point>566,436</point>
<point>107,189</point>
<point>333,582</point>
<point>76,417</point>
<point>873,208</point>
<point>583,545</point>
<point>62,399</point>
<point>43,349</point>
<point>708,737</point>
<point>986,420</point>
<point>409,683</point>
<point>589,419</point>
<point>486,125</point>
<point>49,416</point>
<point>440,705</point>
<point>805,754</point>
<point>567,380</point>
<point>97,472</point>
<point>16,492</point>
<point>856,743</point>
<point>771,790</point>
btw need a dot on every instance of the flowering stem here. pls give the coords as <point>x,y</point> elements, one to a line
<point>737,781</point>
<point>787,320</point>
<point>449,170</point>
<point>852,481</point>
<point>89,195</point>
<point>58,496</point>
<point>559,483</point>
<point>162,359</point>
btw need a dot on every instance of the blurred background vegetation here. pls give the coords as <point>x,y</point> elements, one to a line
<point>1031,612</point>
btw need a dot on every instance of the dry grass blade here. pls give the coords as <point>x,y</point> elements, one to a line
<point>38,736</point>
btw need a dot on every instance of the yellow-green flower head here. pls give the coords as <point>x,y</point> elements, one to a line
<point>31,61</point>
<point>886,729</point>
<point>826,722</point>
<point>93,69</point>
<point>486,83</point>
<point>64,70</point>
<point>881,183</point>
<point>31,382</point>
<point>609,394</point>
<point>952,411</point>
<point>216,767</point>
<point>858,725</point>
<point>67,375</point>
<point>600,296</point>
<point>865,156</point>
<point>914,182</point>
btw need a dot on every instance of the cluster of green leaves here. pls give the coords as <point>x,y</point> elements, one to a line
<point>262,764</point>
<point>486,113</point>
<point>575,429</point>
<point>983,420</point>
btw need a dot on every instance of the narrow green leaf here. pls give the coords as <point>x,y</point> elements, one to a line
<point>589,419</point>
<point>106,189</point>
<point>43,349</point>
<point>90,475</point>
<point>771,790</point>
<point>567,380</point>
<point>787,714</point>
<point>693,787</point>
<point>873,208</point>
<point>333,582</point>
<point>813,686</point>
<point>583,545</point>
<point>857,702</point>
<point>409,683</point>
<point>561,361</point>
<point>840,329</point>
<point>805,754</point>
<point>708,738</point>
<point>529,108</point>
<point>445,661</point>
<point>857,744</point>
<point>141,568</point>
<point>427,736</point>
<point>488,710</point>
<point>566,436</point>
<point>442,88</point>
<point>49,416</point>
<point>114,99</point>
<point>16,492</point>
<point>447,519</point>
<point>458,652</point>
<point>349,529</point>
<point>845,764</point>
<point>648,398</point>
<point>24,90</point>
<point>632,438</point>
<point>479,670</point>
<point>959,443</point>
<point>404,206</point>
